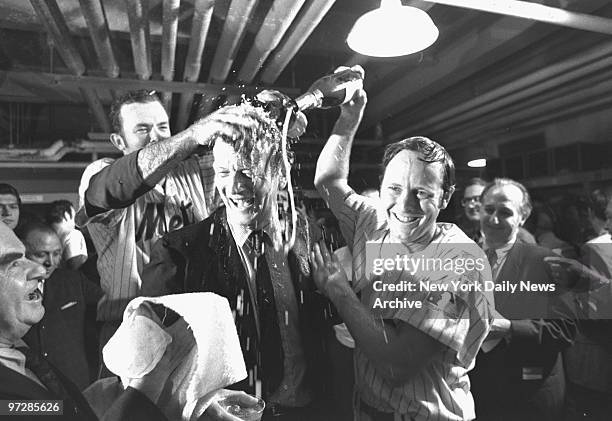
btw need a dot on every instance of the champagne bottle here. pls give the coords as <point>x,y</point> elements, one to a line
<point>330,90</point>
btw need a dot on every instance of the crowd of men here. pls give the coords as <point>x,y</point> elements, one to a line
<point>199,212</point>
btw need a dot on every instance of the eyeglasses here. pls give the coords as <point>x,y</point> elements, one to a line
<point>470,200</point>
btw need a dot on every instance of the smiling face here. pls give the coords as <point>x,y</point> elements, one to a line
<point>9,210</point>
<point>471,201</point>
<point>44,248</point>
<point>249,189</point>
<point>20,300</point>
<point>411,192</point>
<point>141,124</point>
<point>500,216</point>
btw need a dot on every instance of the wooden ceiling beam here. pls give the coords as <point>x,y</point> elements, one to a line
<point>52,19</point>
<point>236,21</point>
<point>275,25</point>
<point>138,17</point>
<point>314,12</point>
<point>124,84</point>
<point>170,14</point>
<point>202,14</point>
<point>100,35</point>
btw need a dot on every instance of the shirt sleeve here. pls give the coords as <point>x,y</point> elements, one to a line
<point>352,211</point>
<point>74,245</point>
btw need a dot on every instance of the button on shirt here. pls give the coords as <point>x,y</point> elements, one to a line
<point>292,390</point>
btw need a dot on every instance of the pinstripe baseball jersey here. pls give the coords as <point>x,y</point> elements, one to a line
<point>458,320</point>
<point>124,237</point>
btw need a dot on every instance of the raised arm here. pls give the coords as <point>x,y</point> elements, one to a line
<point>331,176</point>
<point>118,185</point>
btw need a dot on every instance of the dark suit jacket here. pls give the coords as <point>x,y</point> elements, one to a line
<point>204,257</point>
<point>523,376</point>
<point>60,335</point>
<point>130,406</point>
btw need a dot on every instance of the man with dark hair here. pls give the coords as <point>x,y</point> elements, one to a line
<point>413,347</point>
<point>519,374</point>
<point>60,217</point>
<point>159,185</point>
<point>469,221</point>
<point>67,297</point>
<point>10,204</point>
<point>240,253</point>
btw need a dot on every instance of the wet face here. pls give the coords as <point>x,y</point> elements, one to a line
<point>500,216</point>
<point>248,189</point>
<point>411,192</point>
<point>44,248</point>
<point>142,123</point>
<point>471,201</point>
<point>9,210</point>
<point>20,299</point>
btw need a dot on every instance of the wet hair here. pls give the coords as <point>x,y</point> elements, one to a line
<point>597,202</point>
<point>525,206</point>
<point>133,97</point>
<point>6,188</point>
<point>430,152</point>
<point>34,226</point>
<point>254,139</point>
<point>58,209</point>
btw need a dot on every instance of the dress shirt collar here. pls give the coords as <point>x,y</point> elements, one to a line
<point>241,233</point>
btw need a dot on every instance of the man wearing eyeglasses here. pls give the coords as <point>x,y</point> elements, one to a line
<point>470,220</point>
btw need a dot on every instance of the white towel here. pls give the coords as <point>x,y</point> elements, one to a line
<point>213,361</point>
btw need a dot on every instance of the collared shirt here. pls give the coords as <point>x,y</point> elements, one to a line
<point>460,322</point>
<point>502,254</point>
<point>292,390</point>
<point>15,360</point>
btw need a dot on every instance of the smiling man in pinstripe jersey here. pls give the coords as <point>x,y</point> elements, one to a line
<point>410,363</point>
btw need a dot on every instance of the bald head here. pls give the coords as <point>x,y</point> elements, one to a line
<point>42,245</point>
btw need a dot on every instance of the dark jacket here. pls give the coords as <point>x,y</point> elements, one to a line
<point>60,335</point>
<point>130,406</point>
<point>523,377</point>
<point>203,257</point>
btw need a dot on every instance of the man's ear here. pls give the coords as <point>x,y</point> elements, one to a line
<point>117,141</point>
<point>446,196</point>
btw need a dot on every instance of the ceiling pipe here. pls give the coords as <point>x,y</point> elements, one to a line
<point>96,107</point>
<point>100,35</point>
<point>536,12</point>
<point>52,19</point>
<point>202,14</point>
<point>314,12</point>
<point>170,16</point>
<point>138,17</point>
<point>277,21</point>
<point>546,78</point>
<point>236,21</point>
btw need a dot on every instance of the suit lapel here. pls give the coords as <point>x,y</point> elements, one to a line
<point>15,384</point>
<point>510,271</point>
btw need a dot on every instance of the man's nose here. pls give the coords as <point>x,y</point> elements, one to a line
<point>409,202</point>
<point>35,270</point>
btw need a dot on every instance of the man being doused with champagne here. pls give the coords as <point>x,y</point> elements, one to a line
<point>241,253</point>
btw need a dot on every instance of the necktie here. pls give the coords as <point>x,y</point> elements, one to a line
<point>270,349</point>
<point>492,257</point>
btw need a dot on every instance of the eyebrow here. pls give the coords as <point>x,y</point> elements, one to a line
<point>9,257</point>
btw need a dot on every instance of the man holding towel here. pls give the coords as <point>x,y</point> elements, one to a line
<point>238,252</point>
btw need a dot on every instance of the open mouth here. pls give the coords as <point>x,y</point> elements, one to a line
<point>35,295</point>
<point>406,219</point>
<point>241,203</point>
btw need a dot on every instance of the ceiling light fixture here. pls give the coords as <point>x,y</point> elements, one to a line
<point>392,30</point>
<point>477,163</point>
